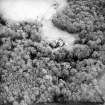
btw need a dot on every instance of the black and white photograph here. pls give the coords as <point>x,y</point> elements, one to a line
<point>52,52</point>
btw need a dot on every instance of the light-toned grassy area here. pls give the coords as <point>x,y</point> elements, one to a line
<point>19,10</point>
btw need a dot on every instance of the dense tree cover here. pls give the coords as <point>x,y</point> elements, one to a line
<point>33,70</point>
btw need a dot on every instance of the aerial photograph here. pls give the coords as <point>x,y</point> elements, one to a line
<point>52,52</point>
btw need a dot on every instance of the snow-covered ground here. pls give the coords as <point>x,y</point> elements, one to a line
<point>19,10</point>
